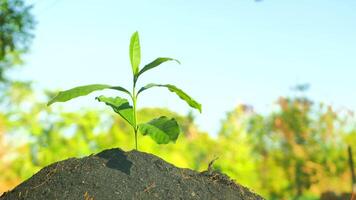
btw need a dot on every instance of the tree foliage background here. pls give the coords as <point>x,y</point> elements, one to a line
<point>16,24</point>
<point>297,151</point>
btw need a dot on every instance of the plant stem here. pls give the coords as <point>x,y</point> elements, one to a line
<point>136,139</point>
<point>134,99</point>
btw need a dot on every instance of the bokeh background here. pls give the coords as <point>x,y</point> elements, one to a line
<point>276,80</point>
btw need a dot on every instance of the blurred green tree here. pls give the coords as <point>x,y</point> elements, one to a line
<point>305,144</point>
<point>16,25</point>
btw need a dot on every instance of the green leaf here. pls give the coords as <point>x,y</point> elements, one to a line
<point>162,130</point>
<point>184,96</point>
<point>135,53</point>
<point>120,89</point>
<point>148,86</point>
<point>156,63</point>
<point>121,106</point>
<point>67,95</point>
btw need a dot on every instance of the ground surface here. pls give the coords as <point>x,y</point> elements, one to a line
<point>115,174</point>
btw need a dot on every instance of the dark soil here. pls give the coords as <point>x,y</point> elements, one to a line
<point>115,174</point>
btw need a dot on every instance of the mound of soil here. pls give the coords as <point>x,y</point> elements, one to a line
<point>115,174</point>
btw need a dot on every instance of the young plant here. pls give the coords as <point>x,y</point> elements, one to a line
<point>163,129</point>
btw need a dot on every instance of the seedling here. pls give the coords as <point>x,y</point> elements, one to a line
<point>163,129</point>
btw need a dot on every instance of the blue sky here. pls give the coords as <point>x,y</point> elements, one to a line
<point>232,51</point>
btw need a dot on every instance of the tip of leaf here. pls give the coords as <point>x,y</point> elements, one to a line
<point>98,98</point>
<point>51,102</point>
<point>199,108</point>
<point>135,33</point>
<point>177,61</point>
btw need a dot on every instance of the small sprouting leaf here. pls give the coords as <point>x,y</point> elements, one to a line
<point>162,130</point>
<point>82,91</point>
<point>184,96</point>
<point>135,53</point>
<point>121,106</point>
<point>156,63</point>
